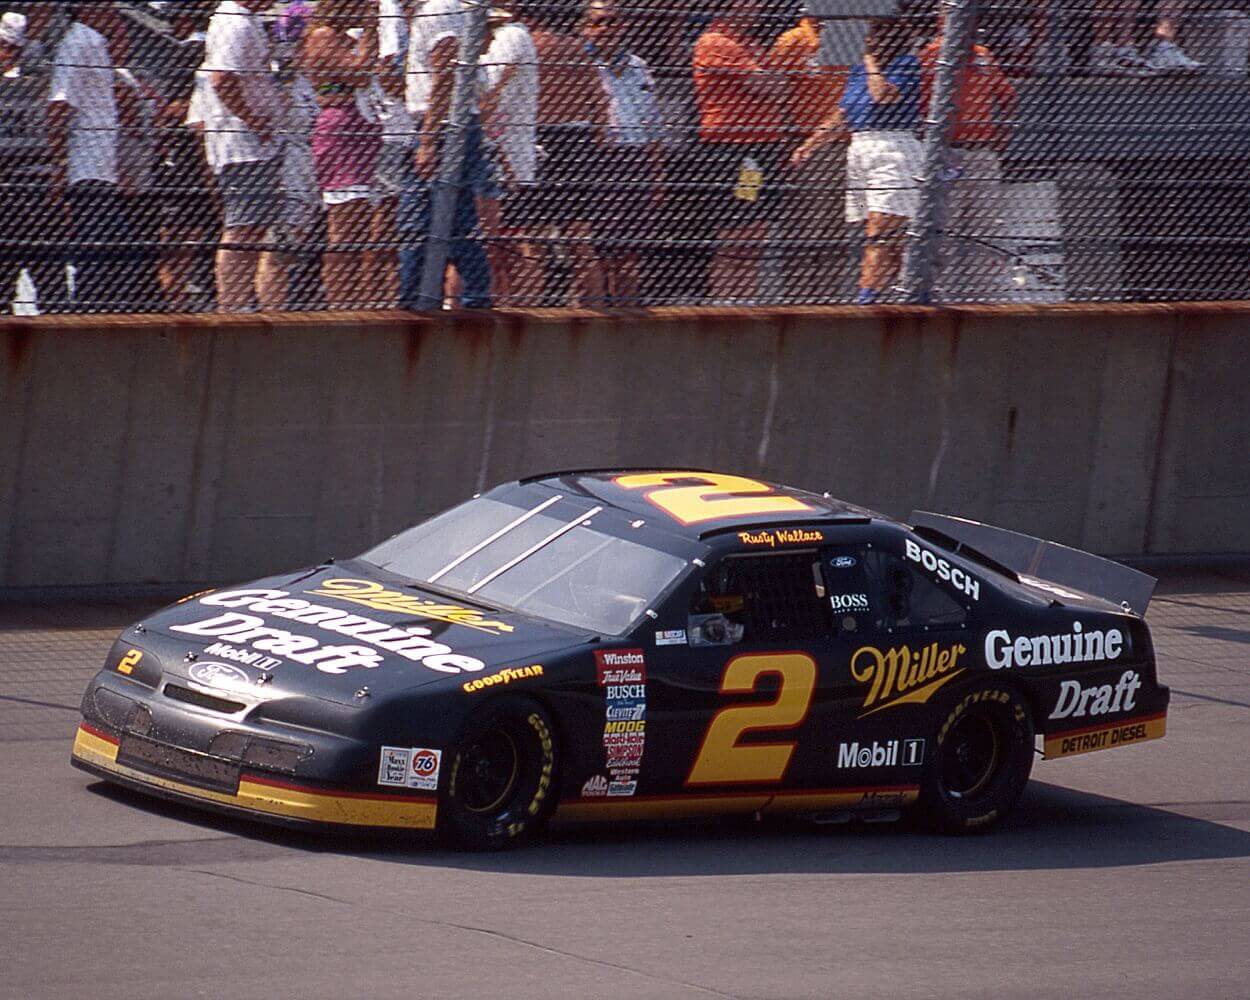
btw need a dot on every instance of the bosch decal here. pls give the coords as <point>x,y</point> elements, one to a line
<point>943,569</point>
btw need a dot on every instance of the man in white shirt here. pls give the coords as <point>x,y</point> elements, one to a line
<point>83,129</point>
<point>240,108</point>
<point>433,48</point>
<point>508,91</point>
<point>632,156</point>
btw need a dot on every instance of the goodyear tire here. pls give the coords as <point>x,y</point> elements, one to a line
<point>983,754</point>
<point>502,782</point>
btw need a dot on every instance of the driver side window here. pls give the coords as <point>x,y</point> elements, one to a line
<point>760,599</point>
<point>909,599</point>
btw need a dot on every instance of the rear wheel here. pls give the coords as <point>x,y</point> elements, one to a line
<point>501,788</point>
<point>982,759</point>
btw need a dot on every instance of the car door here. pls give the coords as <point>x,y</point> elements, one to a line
<point>732,708</point>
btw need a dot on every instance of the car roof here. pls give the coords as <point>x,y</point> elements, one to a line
<point>669,498</point>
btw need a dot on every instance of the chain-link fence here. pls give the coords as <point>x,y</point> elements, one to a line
<point>371,154</point>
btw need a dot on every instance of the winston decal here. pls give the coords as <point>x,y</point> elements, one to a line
<point>903,675</point>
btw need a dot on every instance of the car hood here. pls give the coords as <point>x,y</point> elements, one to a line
<point>330,631</point>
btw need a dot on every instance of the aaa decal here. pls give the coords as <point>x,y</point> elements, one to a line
<point>374,595</point>
<point>903,675</point>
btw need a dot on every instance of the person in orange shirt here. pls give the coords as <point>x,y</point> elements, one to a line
<point>971,264</point>
<point>742,132</point>
<point>819,265</point>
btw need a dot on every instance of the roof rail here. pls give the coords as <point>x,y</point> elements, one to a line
<point>830,521</point>
<point>612,468</point>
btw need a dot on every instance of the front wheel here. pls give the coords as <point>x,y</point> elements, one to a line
<point>501,788</point>
<point>982,759</point>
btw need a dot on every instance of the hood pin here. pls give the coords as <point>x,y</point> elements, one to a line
<point>189,657</point>
<point>363,693</point>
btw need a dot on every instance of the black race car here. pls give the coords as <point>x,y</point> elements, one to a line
<point>603,645</point>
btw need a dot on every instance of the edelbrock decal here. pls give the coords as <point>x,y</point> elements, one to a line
<point>1002,651</point>
<point>1077,700</point>
<point>410,642</point>
<point>943,569</point>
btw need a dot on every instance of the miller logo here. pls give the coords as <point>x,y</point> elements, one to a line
<point>904,676</point>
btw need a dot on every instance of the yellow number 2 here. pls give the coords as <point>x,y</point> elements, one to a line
<point>723,759</point>
<point>716,495</point>
<point>128,662</point>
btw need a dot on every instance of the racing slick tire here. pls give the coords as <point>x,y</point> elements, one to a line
<point>501,789</point>
<point>983,754</point>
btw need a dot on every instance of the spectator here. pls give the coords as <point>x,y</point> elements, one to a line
<point>83,131</point>
<point>972,265</point>
<point>633,155</point>
<point>393,172</point>
<point>1114,51</point>
<point>509,99</point>
<point>881,107</point>
<point>433,49</point>
<point>300,229</point>
<point>240,107</point>
<point>742,128</point>
<point>345,145</point>
<point>1164,54</point>
<point>24,171</point>
<point>571,115</point>
<point>818,263</point>
<point>181,182</point>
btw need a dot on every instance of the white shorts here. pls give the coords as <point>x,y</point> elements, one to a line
<point>881,171</point>
<point>357,192</point>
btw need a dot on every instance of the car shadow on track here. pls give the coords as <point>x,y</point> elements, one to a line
<point>1053,827</point>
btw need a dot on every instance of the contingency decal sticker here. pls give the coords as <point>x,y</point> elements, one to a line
<point>623,676</point>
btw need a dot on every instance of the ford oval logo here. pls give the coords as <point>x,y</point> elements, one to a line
<point>223,675</point>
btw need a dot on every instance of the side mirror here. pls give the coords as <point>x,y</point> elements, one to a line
<point>713,630</point>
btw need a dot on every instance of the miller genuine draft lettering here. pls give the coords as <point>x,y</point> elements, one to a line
<point>904,675</point>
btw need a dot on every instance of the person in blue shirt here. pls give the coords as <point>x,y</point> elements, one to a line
<point>881,108</point>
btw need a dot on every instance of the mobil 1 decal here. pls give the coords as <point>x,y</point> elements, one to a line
<point>623,678</point>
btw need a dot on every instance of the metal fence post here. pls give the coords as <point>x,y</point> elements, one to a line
<point>446,186</point>
<point>924,235</point>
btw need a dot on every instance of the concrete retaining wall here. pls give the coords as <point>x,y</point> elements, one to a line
<point>185,449</point>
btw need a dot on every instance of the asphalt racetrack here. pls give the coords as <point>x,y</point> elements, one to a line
<point>1123,874</point>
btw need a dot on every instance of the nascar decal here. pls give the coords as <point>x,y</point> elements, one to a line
<point>374,595</point>
<point>505,676</point>
<point>623,676</point>
<point>1105,736</point>
<point>410,642</point>
<point>903,675</point>
<point>1078,646</point>
<point>410,767</point>
<point>943,569</point>
<point>781,536</point>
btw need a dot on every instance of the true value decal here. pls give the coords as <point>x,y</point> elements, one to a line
<point>904,675</point>
<point>1002,651</point>
<point>943,569</point>
<point>410,642</point>
<point>623,677</point>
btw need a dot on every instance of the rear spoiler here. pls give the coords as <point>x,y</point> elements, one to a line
<point>1044,561</point>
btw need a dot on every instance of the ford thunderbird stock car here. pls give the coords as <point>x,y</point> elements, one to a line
<point>602,645</point>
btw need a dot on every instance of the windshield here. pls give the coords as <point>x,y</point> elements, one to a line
<point>547,559</point>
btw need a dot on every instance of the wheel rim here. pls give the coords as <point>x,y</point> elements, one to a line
<point>489,768</point>
<point>972,756</point>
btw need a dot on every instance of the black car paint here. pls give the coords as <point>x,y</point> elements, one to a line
<point>406,704</point>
